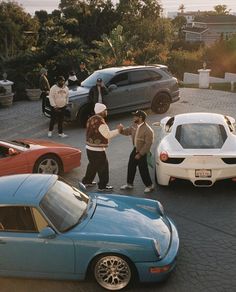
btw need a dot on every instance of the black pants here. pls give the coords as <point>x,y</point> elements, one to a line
<point>43,96</point>
<point>98,164</point>
<point>143,169</point>
<point>57,115</point>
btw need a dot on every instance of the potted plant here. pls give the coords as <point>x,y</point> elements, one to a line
<point>32,85</point>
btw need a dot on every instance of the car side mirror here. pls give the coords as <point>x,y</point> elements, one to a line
<point>112,87</point>
<point>12,152</point>
<point>47,232</point>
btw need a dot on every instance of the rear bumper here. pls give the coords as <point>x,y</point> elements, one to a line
<point>175,97</point>
<point>181,171</point>
<point>144,268</point>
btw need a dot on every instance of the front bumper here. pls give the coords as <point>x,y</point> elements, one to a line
<point>144,268</point>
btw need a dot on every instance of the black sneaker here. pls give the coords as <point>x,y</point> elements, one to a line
<point>106,189</point>
<point>92,184</point>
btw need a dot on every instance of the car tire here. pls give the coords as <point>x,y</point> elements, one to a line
<point>83,115</point>
<point>160,103</point>
<point>112,272</point>
<point>49,163</point>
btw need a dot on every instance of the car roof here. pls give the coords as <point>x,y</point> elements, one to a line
<point>189,118</point>
<point>114,70</point>
<point>24,189</point>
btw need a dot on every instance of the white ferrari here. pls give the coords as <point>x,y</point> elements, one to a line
<point>199,147</point>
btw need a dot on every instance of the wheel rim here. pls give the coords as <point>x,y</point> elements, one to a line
<point>162,105</point>
<point>112,273</point>
<point>48,165</point>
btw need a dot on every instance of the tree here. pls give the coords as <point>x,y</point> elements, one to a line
<point>113,49</point>
<point>18,31</point>
<point>221,10</point>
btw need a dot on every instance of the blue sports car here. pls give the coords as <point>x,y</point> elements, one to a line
<point>49,229</point>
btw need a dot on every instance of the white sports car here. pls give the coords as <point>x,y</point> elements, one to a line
<point>200,147</point>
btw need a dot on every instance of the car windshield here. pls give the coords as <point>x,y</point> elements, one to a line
<point>92,79</point>
<point>64,205</point>
<point>201,136</point>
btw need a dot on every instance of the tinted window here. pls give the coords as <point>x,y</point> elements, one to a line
<point>120,80</point>
<point>154,75</point>
<point>92,79</point>
<point>201,136</point>
<point>16,219</point>
<point>139,76</point>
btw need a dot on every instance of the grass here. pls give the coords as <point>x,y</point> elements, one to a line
<point>216,86</point>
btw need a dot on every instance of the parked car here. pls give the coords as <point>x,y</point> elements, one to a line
<point>199,147</point>
<point>26,156</point>
<point>49,229</point>
<point>130,88</point>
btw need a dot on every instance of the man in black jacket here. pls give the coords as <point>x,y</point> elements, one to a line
<point>97,92</point>
<point>82,73</point>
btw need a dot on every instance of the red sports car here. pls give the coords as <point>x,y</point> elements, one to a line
<point>40,156</point>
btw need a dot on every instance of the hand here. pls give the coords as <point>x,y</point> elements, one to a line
<point>138,156</point>
<point>120,127</point>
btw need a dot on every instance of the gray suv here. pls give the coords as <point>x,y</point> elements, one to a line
<point>130,88</point>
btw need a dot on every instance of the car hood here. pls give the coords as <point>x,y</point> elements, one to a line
<point>127,217</point>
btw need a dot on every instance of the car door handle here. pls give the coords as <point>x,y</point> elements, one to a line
<point>2,241</point>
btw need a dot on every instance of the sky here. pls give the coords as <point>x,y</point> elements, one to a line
<point>168,5</point>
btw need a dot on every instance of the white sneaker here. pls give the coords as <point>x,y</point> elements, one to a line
<point>62,135</point>
<point>149,189</point>
<point>127,187</point>
<point>49,134</point>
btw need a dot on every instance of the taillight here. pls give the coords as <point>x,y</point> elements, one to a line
<point>164,156</point>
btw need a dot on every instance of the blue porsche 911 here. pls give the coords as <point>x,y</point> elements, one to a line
<point>49,229</point>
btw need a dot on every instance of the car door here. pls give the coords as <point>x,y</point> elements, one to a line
<point>140,81</point>
<point>118,98</point>
<point>23,252</point>
<point>12,164</point>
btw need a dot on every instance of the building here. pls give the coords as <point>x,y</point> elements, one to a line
<point>209,29</point>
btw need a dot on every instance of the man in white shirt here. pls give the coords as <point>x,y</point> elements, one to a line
<point>98,135</point>
<point>58,98</point>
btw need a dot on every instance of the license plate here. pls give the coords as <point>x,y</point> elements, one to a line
<point>203,172</point>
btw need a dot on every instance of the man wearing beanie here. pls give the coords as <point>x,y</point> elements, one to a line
<point>98,135</point>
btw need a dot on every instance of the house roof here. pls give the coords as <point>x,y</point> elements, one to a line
<point>216,19</point>
<point>198,30</point>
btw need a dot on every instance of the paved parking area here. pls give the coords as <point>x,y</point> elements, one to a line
<point>205,217</point>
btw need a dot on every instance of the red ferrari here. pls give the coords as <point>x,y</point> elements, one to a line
<point>40,156</point>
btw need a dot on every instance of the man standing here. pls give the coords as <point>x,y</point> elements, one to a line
<point>142,136</point>
<point>44,86</point>
<point>97,139</point>
<point>97,92</point>
<point>82,73</point>
<point>58,97</point>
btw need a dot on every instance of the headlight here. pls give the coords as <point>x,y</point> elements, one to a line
<point>157,247</point>
<point>161,208</point>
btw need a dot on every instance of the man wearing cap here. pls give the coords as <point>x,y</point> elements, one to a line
<point>58,98</point>
<point>142,137</point>
<point>44,86</point>
<point>97,92</point>
<point>98,135</point>
<point>82,73</point>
